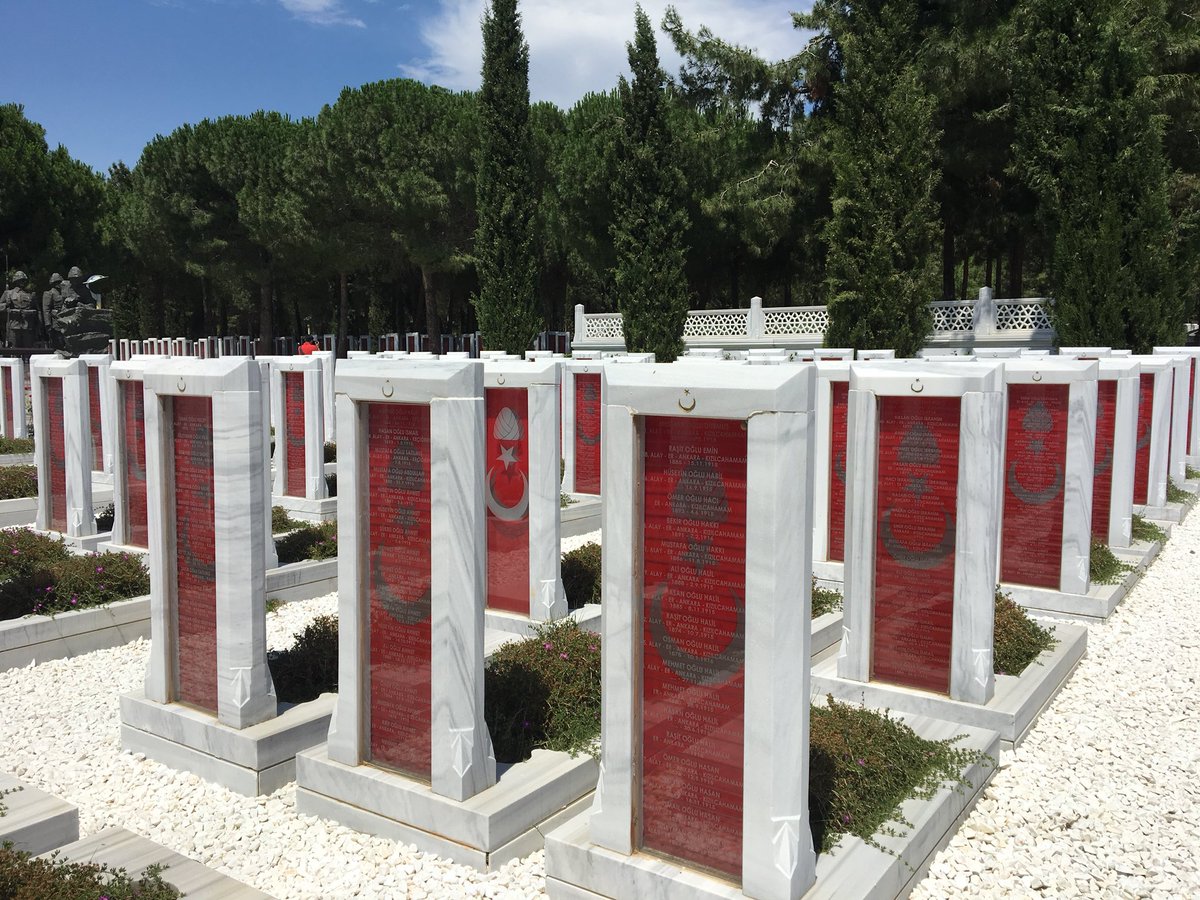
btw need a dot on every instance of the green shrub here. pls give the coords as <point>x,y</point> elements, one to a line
<point>17,482</point>
<point>565,500</point>
<point>863,765</point>
<point>581,575</point>
<point>26,560</point>
<point>309,667</point>
<point>331,484</point>
<point>330,452</point>
<point>1176,494</point>
<point>79,582</point>
<point>1105,567</point>
<point>308,542</point>
<point>274,604</point>
<point>23,877</point>
<point>1017,639</point>
<point>1145,530</point>
<point>824,600</point>
<point>15,445</point>
<point>1191,474</point>
<point>105,518</point>
<point>282,522</point>
<point>544,692</point>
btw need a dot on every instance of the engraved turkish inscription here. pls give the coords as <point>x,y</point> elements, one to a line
<point>293,428</point>
<point>58,454</point>
<point>694,640</point>
<point>134,414</point>
<point>400,583</point>
<point>587,433</point>
<point>917,511</point>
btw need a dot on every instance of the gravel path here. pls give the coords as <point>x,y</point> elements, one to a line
<point>1103,797</point>
<point>1100,800</point>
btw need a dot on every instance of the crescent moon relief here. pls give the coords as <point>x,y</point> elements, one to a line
<point>916,559</point>
<point>201,457</point>
<point>513,513</point>
<point>1144,440</point>
<point>1105,464</point>
<point>403,611</point>
<point>1035,498</point>
<point>700,670</point>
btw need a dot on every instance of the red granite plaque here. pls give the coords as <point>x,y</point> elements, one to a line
<point>507,465</point>
<point>1034,469</point>
<point>1106,420</point>
<point>1141,472</point>
<point>293,427</point>
<point>1191,400</point>
<point>838,414</point>
<point>400,584</point>
<point>693,638</point>
<point>94,416</point>
<point>57,474</point>
<point>10,410</point>
<point>587,433</point>
<point>134,413</point>
<point>195,549</point>
<point>917,497</point>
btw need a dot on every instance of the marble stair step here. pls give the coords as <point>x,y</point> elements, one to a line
<point>121,849</point>
<point>35,822</point>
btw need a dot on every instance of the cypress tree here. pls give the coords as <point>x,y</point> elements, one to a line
<point>506,305</point>
<point>881,234</point>
<point>650,220</point>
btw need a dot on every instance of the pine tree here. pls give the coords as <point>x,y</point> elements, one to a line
<point>506,305</point>
<point>1089,144</point>
<point>884,147</point>
<point>650,220</point>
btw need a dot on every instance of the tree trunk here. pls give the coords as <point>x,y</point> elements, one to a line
<point>433,322</point>
<point>1016,262</point>
<point>987,272</point>
<point>947,261</point>
<point>160,307</point>
<point>343,313</point>
<point>266,329</point>
<point>205,307</point>
<point>999,279</point>
<point>966,283</point>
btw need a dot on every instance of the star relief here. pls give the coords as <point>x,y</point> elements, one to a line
<point>508,456</point>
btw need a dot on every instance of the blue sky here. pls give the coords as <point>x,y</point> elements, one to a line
<point>104,76</point>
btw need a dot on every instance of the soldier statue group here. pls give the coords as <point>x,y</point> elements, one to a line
<point>27,325</point>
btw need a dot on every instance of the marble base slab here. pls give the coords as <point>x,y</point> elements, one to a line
<point>1140,553</point>
<point>499,824</point>
<point>36,639</point>
<point>830,574</point>
<point>587,616</point>
<point>582,516</point>
<point>1171,512</point>
<point>302,580</point>
<point>304,510</point>
<point>18,511</point>
<point>122,849</point>
<point>1191,485</point>
<point>576,868</point>
<point>1015,705</point>
<point>111,546</point>
<point>36,822</point>
<point>16,459</point>
<point>1098,603</point>
<point>250,761</point>
<point>87,543</point>
<point>826,632</point>
<point>102,478</point>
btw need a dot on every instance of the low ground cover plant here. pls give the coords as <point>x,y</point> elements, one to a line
<point>308,542</point>
<point>1145,530</point>
<point>1105,567</point>
<point>23,877</point>
<point>1017,639</point>
<point>24,445</point>
<point>863,765</point>
<point>824,600</point>
<point>1176,494</point>
<point>309,667</point>
<point>544,692</point>
<point>17,482</point>
<point>39,575</point>
<point>581,575</point>
<point>281,522</point>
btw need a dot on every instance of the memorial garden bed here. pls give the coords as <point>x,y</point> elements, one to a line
<point>24,877</point>
<point>308,542</point>
<point>16,451</point>
<point>307,558</point>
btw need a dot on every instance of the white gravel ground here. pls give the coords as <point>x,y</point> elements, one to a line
<point>1100,800</point>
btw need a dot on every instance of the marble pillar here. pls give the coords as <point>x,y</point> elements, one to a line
<point>1192,437</point>
<point>582,391</point>
<point>63,446</point>
<point>307,417</point>
<point>12,397</point>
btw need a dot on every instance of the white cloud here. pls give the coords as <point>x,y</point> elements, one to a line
<point>579,47</point>
<point>322,12</point>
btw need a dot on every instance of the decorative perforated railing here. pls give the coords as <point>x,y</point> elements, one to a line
<point>952,316</point>
<point>1024,314</point>
<point>956,323</point>
<point>789,320</point>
